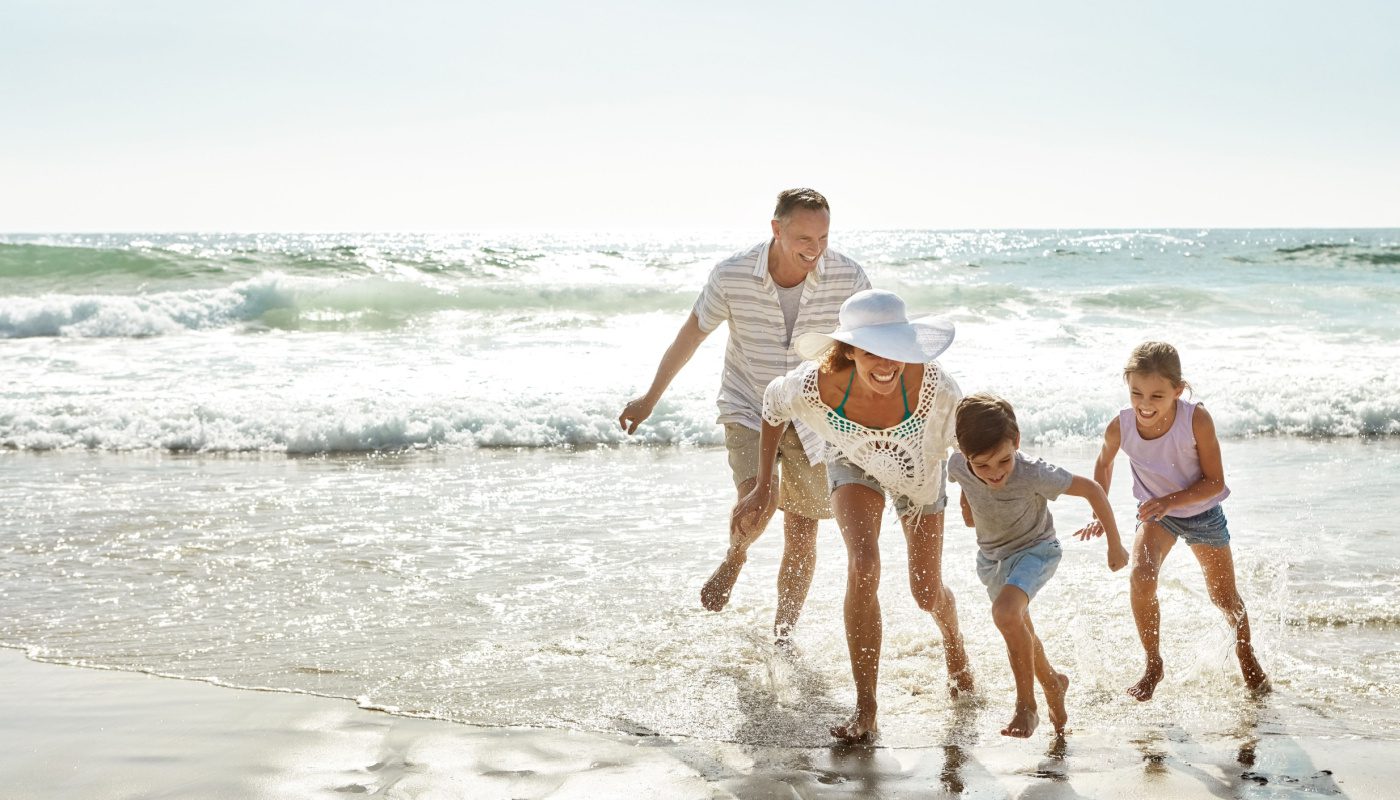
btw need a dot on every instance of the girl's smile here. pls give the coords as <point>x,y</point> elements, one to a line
<point>1153,400</point>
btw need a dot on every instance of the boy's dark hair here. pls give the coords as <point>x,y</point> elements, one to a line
<point>789,200</point>
<point>984,421</point>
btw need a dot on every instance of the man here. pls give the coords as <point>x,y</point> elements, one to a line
<point>769,294</point>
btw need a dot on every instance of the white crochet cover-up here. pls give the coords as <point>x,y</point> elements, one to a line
<point>907,459</point>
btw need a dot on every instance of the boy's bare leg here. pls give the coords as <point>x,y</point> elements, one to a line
<point>858,509</point>
<point>925,543</point>
<point>1218,564</point>
<point>1009,614</point>
<point>795,573</point>
<point>1053,684</point>
<point>1150,548</point>
<point>714,595</point>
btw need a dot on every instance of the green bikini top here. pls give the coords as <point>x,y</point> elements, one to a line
<point>840,410</point>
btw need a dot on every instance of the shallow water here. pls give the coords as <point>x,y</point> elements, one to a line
<point>505,587</point>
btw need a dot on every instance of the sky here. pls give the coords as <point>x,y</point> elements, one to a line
<point>622,116</point>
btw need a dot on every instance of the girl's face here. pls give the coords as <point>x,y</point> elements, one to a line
<point>1153,398</point>
<point>881,375</point>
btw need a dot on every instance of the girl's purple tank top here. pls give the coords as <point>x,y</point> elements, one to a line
<point>1168,463</point>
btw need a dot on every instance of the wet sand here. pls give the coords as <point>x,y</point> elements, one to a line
<point>83,734</point>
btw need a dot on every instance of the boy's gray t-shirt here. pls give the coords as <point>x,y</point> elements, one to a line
<point>1017,515</point>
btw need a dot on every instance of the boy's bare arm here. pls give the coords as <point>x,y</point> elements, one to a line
<point>966,511</point>
<point>1103,521</point>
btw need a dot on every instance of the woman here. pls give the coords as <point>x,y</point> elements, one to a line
<point>873,391</point>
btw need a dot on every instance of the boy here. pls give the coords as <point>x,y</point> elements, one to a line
<point>1004,496</point>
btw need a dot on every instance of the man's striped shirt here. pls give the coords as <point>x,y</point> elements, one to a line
<point>741,292</point>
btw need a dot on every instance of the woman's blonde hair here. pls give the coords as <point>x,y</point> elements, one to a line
<point>837,356</point>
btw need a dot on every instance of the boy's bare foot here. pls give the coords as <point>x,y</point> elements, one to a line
<point>714,595</point>
<point>1023,723</point>
<point>1147,684</point>
<point>859,729</point>
<point>1055,700</point>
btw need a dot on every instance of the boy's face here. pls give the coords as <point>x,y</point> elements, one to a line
<point>994,466</point>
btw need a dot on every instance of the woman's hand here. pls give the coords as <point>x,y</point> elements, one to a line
<point>751,507</point>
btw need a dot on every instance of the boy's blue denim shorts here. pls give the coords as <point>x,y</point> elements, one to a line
<point>1207,527</point>
<point>841,471</point>
<point>1028,569</point>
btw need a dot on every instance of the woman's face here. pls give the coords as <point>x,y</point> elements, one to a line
<point>880,375</point>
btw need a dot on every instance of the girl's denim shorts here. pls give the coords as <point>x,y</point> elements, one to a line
<point>1207,527</point>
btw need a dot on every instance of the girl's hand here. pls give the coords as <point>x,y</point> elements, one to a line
<point>1154,509</point>
<point>1117,558</point>
<point>1093,529</point>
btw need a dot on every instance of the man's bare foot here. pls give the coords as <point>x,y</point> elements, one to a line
<point>1254,678</point>
<point>1023,723</point>
<point>859,729</point>
<point>714,595</point>
<point>1055,700</point>
<point>1147,684</point>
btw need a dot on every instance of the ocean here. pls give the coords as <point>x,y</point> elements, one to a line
<point>388,468</point>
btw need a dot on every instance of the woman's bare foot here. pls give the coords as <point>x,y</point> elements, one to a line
<point>859,729</point>
<point>959,672</point>
<point>1055,700</point>
<point>1254,678</point>
<point>1147,684</point>
<point>960,684</point>
<point>1023,723</point>
<point>714,595</point>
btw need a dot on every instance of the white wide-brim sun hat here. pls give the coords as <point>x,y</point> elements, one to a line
<point>875,321</point>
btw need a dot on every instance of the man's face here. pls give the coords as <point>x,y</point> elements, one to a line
<point>801,237</point>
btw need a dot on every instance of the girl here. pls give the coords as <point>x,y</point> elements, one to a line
<point>886,410</point>
<point>1179,483</point>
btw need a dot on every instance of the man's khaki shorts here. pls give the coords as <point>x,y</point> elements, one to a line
<point>802,485</point>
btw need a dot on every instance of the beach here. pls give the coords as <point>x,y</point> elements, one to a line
<point>284,516</point>
<point>101,734</point>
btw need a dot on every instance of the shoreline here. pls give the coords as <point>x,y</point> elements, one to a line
<point>95,733</point>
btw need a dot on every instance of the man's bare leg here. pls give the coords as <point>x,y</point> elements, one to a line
<point>795,573</point>
<point>714,595</point>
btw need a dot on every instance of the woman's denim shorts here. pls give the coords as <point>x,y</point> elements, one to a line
<point>1207,527</point>
<point>841,471</point>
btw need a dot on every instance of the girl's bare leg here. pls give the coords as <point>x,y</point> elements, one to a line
<point>1218,564</point>
<point>1150,549</point>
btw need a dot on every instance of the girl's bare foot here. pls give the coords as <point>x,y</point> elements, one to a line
<point>1023,723</point>
<point>1147,684</point>
<point>714,595</point>
<point>859,729</point>
<point>1055,699</point>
